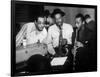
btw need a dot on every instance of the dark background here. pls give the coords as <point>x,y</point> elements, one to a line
<point>27,12</point>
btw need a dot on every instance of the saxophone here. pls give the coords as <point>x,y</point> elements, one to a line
<point>77,45</point>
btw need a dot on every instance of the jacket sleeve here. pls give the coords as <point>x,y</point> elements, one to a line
<point>49,42</point>
<point>68,34</point>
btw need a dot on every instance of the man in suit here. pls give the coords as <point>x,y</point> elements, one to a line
<point>32,32</point>
<point>59,38</point>
<point>82,59</point>
<point>59,34</point>
<point>92,40</point>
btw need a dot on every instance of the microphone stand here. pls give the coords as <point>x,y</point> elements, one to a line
<point>74,50</point>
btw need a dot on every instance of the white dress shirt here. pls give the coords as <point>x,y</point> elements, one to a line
<point>53,36</point>
<point>32,34</point>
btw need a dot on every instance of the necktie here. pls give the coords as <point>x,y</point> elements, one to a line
<point>60,40</point>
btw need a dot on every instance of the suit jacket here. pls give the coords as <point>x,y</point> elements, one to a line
<point>84,34</point>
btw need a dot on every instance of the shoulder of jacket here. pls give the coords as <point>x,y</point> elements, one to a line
<point>67,24</point>
<point>30,23</point>
<point>52,27</point>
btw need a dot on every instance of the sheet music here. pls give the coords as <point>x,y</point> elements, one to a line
<point>58,61</point>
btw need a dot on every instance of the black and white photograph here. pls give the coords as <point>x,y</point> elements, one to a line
<point>52,38</point>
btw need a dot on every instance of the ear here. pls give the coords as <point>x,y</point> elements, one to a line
<point>35,22</point>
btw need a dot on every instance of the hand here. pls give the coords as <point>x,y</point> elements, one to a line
<point>79,44</point>
<point>66,49</point>
<point>64,42</point>
<point>51,49</point>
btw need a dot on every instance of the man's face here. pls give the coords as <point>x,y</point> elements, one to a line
<point>87,20</point>
<point>50,20</point>
<point>58,20</point>
<point>78,22</point>
<point>40,23</point>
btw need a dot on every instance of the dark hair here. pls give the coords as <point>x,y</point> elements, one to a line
<point>41,15</point>
<point>80,16</point>
<point>46,13</point>
<point>87,16</point>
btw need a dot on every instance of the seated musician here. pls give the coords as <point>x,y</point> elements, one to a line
<point>81,47</point>
<point>33,32</point>
<point>59,34</point>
